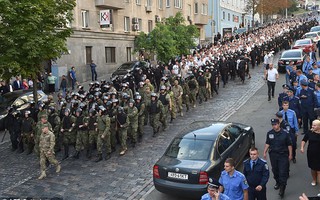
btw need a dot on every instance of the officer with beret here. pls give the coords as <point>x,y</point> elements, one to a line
<point>279,146</point>
<point>256,172</point>
<point>213,191</point>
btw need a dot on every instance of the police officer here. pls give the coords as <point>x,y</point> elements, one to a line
<point>213,191</point>
<point>290,117</point>
<point>104,134</point>
<point>54,120</point>
<point>27,133</point>
<point>93,134</point>
<point>82,133</point>
<point>67,131</point>
<point>233,183</point>
<point>283,95</point>
<point>256,172</point>
<point>154,109</point>
<point>165,99</point>
<point>132,112</point>
<point>202,87</point>
<point>308,101</point>
<point>194,88</point>
<point>141,114</point>
<point>279,146</point>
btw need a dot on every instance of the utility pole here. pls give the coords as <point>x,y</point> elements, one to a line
<point>286,9</point>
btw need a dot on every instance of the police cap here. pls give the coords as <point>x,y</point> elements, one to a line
<point>304,83</point>
<point>279,114</point>
<point>275,121</point>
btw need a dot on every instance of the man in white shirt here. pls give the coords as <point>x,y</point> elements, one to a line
<point>271,76</point>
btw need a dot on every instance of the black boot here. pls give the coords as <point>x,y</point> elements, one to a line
<point>99,158</point>
<point>113,149</point>
<point>66,152</point>
<point>187,108</point>
<point>171,120</point>
<point>139,138</point>
<point>281,191</point>
<point>276,186</point>
<point>88,155</point>
<point>76,155</point>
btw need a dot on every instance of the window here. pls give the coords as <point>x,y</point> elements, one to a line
<point>189,10</point>
<point>85,18</point>
<point>150,26</point>
<point>88,54</point>
<point>196,11</point>
<point>160,4</point>
<point>204,9</point>
<point>110,54</point>
<point>149,2</point>
<point>178,4</point>
<point>228,16</point>
<point>140,24</point>
<point>223,15</point>
<point>167,3</point>
<point>126,24</point>
<point>129,53</point>
<point>225,141</point>
<point>138,2</point>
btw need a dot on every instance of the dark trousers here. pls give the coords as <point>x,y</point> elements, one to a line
<point>271,86</point>
<point>280,167</point>
<point>257,195</point>
<point>14,139</point>
<point>294,142</point>
<point>73,82</point>
<point>307,118</point>
<point>94,74</point>
<point>51,88</point>
<point>224,78</point>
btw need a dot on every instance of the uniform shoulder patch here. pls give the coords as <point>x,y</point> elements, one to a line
<point>266,166</point>
<point>263,160</point>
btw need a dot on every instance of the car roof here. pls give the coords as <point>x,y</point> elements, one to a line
<point>292,50</point>
<point>18,93</point>
<point>313,32</point>
<point>304,39</point>
<point>205,132</point>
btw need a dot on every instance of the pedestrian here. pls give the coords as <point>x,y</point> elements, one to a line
<point>93,71</point>
<point>72,75</point>
<point>17,84</point>
<point>154,109</point>
<point>67,131</point>
<point>132,112</point>
<point>271,76</point>
<point>256,172</point>
<point>279,146</point>
<point>141,114</point>
<point>177,92</point>
<point>27,134</point>
<point>82,133</point>
<point>232,182</point>
<point>63,85</point>
<point>313,138</point>
<point>25,85</point>
<point>51,83</point>
<point>213,191</point>
<point>122,126</point>
<point>289,69</point>
<point>104,134</point>
<point>46,145</point>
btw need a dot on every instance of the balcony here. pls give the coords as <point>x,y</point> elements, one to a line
<point>200,19</point>
<point>113,4</point>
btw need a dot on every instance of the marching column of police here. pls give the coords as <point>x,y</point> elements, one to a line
<point>115,112</point>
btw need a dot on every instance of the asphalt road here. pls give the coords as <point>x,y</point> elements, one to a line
<point>257,113</point>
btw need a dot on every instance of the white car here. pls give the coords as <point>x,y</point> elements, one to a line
<point>315,36</point>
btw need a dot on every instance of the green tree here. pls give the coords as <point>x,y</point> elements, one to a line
<point>31,32</point>
<point>168,39</point>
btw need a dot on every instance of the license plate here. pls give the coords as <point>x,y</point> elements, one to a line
<point>178,176</point>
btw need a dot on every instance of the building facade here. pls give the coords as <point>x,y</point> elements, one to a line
<point>104,31</point>
<point>225,15</point>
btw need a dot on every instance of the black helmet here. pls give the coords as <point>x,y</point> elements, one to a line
<point>120,109</point>
<point>102,108</point>
<point>138,97</point>
<point>79,110</point>
<point>163,87</point>
<point>27,112</point>
<point>52,109</point>
<point>153,94</point>
<point>125,95</point>
<point>92,111</point>
<point>115,101</point>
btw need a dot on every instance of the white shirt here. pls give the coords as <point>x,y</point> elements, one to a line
<point>175,69</point>
<point>272,74</point>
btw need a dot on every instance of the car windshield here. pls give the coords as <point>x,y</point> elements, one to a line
<point>311,35</point>
<point>302,42</point>
<point>313,29</point>
<point>6,101</point>
<point>189,149</point>
<point>126,66</point>
<point>291,54</point>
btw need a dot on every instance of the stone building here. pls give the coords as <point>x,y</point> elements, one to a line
<point>104,31</point>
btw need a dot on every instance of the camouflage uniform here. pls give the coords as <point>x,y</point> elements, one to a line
<point>194,88</point>
<point>167,105</point>
<point>186,95</point>
<point>141,115</point>
<point>93,134</point>
<point>154,109</point>
<point>173,106</point>
<point>68,133</point>
<point>104,134</point>
<point>207,76</point>
<point>54,120</point>
<point>38,131</point>
<point>177,93</point>
<point>133,123</point>
<point>122,127</point>
<point>46,145</point>
<point>82,134</point>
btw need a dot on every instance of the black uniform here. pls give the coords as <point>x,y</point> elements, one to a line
<point>256,173</point>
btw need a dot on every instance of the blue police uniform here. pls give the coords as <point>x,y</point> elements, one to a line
<point>278,152</point>
<point>256,173</point>
<point>308,101</point>
<point>221,197</point>
<point>306,66</point>
<point>290,117</point>
<point>233,185</point>
<point>317,93</point>
<point>294,104</point>
<point>301,78</point>
<point>313,85</point>
<point>297,91</point>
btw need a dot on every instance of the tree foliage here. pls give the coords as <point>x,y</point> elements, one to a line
<point>267,7</point>
<point>168,39</point>
<point>31,32</point>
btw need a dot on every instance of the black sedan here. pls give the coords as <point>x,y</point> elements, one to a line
<point>198,153</point>
<point>129,67</point>
<point>295,55</point>
<point>19,100</point>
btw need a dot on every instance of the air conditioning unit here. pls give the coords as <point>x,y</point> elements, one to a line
<point>135,20</point>
<point>135,27</point>
<point>158,19</point>
<point>148,8</point>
